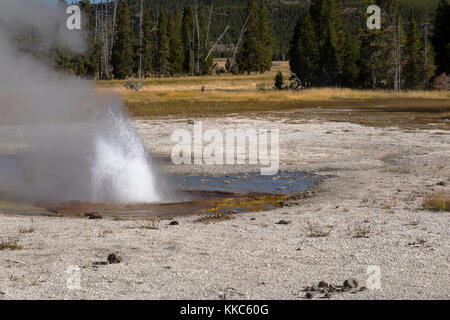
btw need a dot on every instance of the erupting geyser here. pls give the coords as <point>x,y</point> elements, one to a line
<point>120,170</point>
<point>61,139</point>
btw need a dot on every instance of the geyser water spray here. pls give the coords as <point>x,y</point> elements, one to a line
<point>120,169</point>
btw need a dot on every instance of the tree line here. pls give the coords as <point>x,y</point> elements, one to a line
<point>178,43</point>
<point>401,55</point>
<point>128,38</point>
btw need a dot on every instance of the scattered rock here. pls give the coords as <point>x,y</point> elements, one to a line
<point>284,222</point>
<point>253,219</point>
<point>350,283</point>
<point>174,223</point>
<point>113,258</point>
<point>327,295</point>
<point>323,284</point>
<point>309,295</point>
<point>93,216</point>
<point>315,287</point>
<point>419,243</point>
<point>441,183</point>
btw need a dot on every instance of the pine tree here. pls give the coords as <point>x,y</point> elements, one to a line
<point>266,41</point>
<point>413,49</point>
<point>249,53</point>
<point>330,29</point>
<point>87,63</point>
<point>305,57</point>
<point>162,46</point>
<point>175,44</point>
<point>279,81</point>
<point>441,39</point>
<point>122,55</point>
<point>352,61</point>
<point>187,34</point>
<point>375,54</point>
<point>428,66</point>
<point>147,44</point>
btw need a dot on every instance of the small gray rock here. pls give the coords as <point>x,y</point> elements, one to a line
<point>351,283</point>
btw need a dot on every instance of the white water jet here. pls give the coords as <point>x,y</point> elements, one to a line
<point>120,169</point>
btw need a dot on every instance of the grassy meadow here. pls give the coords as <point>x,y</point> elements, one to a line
<point>239,93</point>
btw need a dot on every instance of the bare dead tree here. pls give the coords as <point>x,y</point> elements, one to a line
<point>217,42</point>
<point>241,35</point>
<point>198,38</point>
<point>209,25</point>
<point>113,32</point>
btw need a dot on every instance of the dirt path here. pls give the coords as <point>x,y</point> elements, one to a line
<point>369,214</point>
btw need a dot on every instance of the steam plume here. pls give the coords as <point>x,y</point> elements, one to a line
<point>60,140</point>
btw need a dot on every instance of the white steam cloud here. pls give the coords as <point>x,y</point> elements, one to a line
<point>59,139</point>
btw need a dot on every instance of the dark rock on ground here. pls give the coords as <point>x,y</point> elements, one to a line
<point>93,216</point>
<point>113,258</point>
<point>174,223</point>
<point>284,222</point>
<point>328,296</point>
<point>309,295</point>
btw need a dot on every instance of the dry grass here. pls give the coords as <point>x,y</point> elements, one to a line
<point>27,230</point>
<point>233,93</point>
<point>11,244</point>
<point>219,216</point>
<point>439,201</point>
<point>152,223</point>
<point>360,231</point>
<point>317,231</point>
